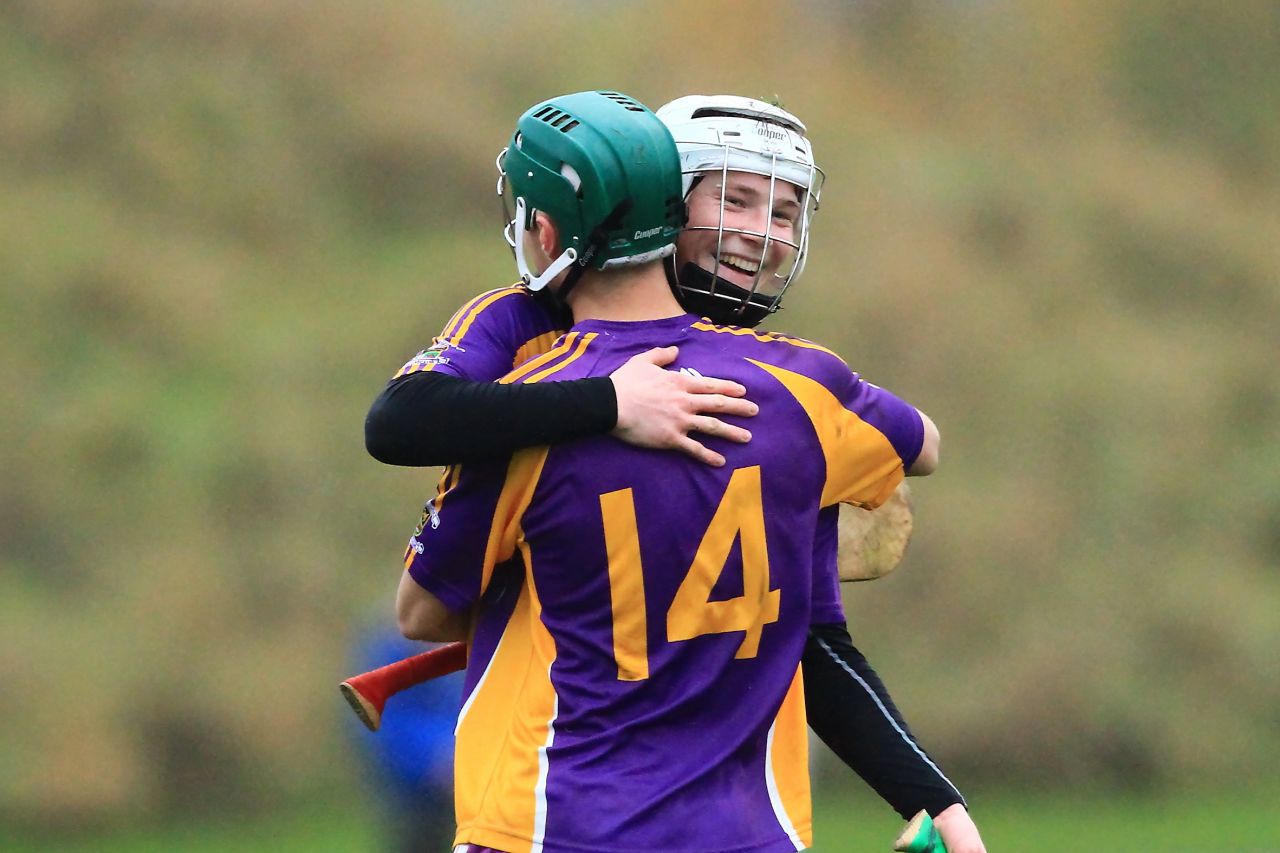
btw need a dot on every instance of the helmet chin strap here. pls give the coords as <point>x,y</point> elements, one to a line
<point>537,282</point>
<point>721,301</point>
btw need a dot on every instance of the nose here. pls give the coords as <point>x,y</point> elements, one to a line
<point>755,221</point>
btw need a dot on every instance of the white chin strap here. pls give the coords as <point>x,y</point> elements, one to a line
<point>559,265</point>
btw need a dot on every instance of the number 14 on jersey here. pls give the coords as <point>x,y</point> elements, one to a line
<point>740,514</point>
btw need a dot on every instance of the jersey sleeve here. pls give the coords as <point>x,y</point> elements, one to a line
<point>488,336</point>
<point>895,419</point>
<point>471,526</point>
<point>868,436</point>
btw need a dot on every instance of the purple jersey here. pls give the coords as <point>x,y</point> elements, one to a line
<point>501,329</point>
<point>633,682</point>
<point>488,336</point>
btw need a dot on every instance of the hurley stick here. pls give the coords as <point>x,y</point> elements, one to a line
<point>368,693</point>
<point>920,836</point>
<point>871,545</point>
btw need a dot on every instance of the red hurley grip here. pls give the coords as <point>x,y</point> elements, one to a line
<point>367,693</point>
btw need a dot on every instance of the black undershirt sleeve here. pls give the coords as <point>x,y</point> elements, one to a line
<point>432,418</point>
<point>851,711</point>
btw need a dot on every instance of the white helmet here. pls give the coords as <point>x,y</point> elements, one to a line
<point>729,133</point>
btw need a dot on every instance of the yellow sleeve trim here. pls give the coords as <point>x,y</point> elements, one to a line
<point>536,369</point>
<point>565,344</point>
<point>535,347</point>
<point>577,353</point>
<point>460,324</point>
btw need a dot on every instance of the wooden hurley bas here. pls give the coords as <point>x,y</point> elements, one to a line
<point>872,542</point>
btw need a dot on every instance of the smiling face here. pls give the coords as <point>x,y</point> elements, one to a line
<point>760,231</point>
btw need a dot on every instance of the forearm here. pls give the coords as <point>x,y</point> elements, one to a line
<point>852,712</point>
<point>926,462</point>
<point>422,616</point>
<point>436,419</point>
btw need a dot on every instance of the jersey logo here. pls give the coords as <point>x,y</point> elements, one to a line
<point>432,355</point>
<point>689,371</point>
<point>430,516</point>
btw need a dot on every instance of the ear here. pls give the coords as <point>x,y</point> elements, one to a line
<point>547,234</point>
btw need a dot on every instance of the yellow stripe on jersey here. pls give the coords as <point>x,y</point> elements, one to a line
<point>493,744</point>
<point>862,466</point>
<point>542,702</point>
<point>787,766</point>
<point>448,480</point>
<point>566,343</point>
<point>458,326</point>
<point>460,322</point>
<point>522,478</point>
<point>535,346</point>
<point>578,351</point>
<point>766,337</point>
<point>626,585</point>
<point>500,765</point>
<point>452,325</point>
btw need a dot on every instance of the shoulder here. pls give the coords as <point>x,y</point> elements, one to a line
<point>562,357</point>
<point>777,350</point>
<point>782,345</point>
<point>513,305</point>
<point>489,334</point>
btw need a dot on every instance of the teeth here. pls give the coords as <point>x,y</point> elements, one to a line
<point>738,261</point>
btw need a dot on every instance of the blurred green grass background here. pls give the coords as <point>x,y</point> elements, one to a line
<point>1062,823</point>
<point>224,225</point>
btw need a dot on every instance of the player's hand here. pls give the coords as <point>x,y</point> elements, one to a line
<point>659,408</point>
<point>958,830</point>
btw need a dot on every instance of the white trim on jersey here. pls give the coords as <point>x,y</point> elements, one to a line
<point>540,790</point>
<point>775,798</point>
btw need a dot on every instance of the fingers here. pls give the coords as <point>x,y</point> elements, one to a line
<point>659,407</point>
<point>660,356</point>
<point>707,385</point>
<point>689,447</point>
<point>720,429</point>
<point>723,405</point>
<point>958,830</point>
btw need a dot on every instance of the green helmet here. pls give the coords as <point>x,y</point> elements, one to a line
<point>605,169</point>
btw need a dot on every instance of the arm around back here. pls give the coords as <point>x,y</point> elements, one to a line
<point>430,418</point>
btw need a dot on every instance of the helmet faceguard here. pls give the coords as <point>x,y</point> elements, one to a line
<point>720,137</point>
<point>605,170</point>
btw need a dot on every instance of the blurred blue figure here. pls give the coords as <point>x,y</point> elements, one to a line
<point>410,758</point>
